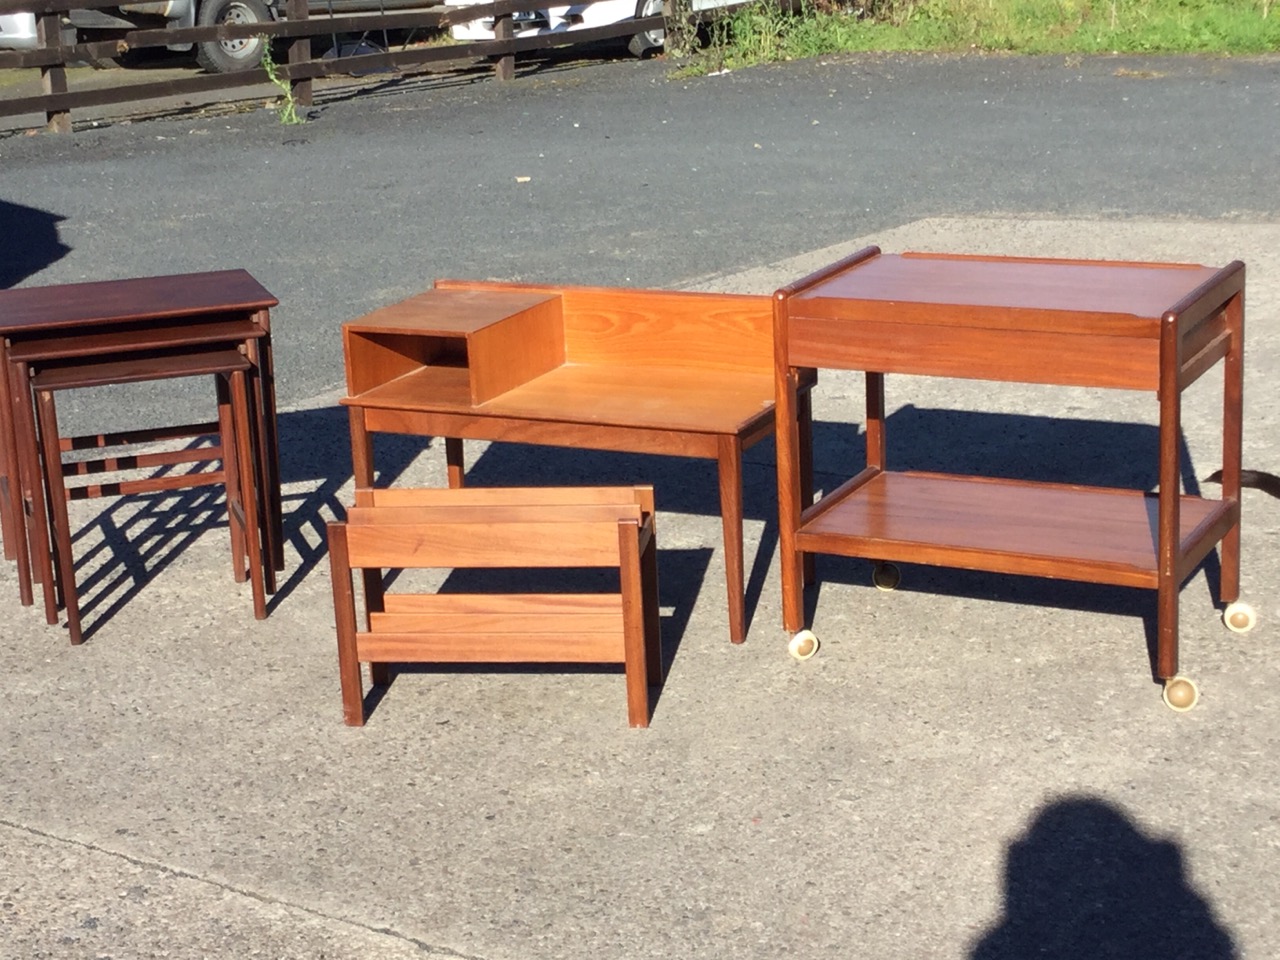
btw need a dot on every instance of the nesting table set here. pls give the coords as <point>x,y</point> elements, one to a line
<point>108,333</point>
<point>695,375</point>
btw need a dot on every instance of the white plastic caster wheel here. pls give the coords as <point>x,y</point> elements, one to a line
<point>886,576</point>
<point>1239,617</point>
<point>803,645</point>
<point>1180,694</point>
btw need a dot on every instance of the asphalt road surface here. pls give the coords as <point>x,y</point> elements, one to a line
<point>633,178</point>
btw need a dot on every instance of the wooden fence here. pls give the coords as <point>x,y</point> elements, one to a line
<point>299,68</point>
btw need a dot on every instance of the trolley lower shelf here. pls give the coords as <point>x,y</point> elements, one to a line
<point>1093,534</point>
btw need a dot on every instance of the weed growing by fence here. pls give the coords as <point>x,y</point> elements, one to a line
<point>681,30</point>
<point>288,105</point>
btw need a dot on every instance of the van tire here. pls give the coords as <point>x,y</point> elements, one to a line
<point>231,56</point>
<point>642,43</point>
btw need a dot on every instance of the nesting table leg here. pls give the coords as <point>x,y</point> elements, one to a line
<point>237,522</point>
<point>36,490</point>
<point>51,453</point>
<point>8,517</point>
<point>11,496</point>
<point>243,441</point>
<point>268,443</point>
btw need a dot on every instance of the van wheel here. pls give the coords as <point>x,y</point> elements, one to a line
<point>231,56</point>
<point>648,40</point>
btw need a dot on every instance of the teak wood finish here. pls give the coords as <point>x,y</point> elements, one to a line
<point>642,371</point>
<point>541,527</point>
<point>114,320</point>
<point>1136,326</point>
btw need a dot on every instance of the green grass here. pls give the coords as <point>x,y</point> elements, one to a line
<point>763,31</point>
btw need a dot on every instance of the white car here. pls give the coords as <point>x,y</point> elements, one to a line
<point>578,16</point>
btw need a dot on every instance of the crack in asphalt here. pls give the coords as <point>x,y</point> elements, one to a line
<point>179,873</point>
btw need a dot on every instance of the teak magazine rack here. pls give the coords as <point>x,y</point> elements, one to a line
<point>1136,326</point>
<point>539,527</point>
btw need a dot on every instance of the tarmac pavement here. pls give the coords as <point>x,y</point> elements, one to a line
<point>972,767</point>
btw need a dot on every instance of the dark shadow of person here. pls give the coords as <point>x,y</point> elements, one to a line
<point>29,242</point>
<point>1084,882</point>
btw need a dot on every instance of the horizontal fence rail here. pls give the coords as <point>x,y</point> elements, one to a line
<point>296,31</point>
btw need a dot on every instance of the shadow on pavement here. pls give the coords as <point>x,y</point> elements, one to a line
<point>137,536</point>
<point>31,242</point>
<point>1084,881</point>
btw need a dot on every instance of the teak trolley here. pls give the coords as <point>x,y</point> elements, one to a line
<point>1135,326</point>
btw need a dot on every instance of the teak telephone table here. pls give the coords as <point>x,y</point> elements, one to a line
<point>1138,326</point>
<point>638,371</point>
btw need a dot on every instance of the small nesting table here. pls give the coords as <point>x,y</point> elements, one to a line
<point>1110,325</point>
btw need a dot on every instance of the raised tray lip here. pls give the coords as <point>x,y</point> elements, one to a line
<point>1006,287</point>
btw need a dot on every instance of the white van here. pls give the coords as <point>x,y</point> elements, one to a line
<point>18,31</point>
<point>580,16</point>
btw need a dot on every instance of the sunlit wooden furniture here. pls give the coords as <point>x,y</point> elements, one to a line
<point>234,452</point>
<point>643,371</point>
<point>546,527</point>
<point>1135,326</point>
<point>111,320</point>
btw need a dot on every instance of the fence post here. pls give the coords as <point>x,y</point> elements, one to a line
<point>504,67</point>
<point>299,52</point>
<point>53,77</point>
